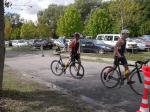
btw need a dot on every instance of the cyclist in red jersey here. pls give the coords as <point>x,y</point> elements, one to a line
<point>74,50</point>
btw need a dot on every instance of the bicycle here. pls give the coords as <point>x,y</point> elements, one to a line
<point>114,77</point>
<point>58,68</point>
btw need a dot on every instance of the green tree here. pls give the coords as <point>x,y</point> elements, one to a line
<point>145,28</point>
<point>99,22</point>
<point>85,7</point>
<point>15,33</point>
<point>125,14</point>
<point>70,22</point>
<point>50,16</point>
<point>8,29</point>
<point>43,31</point>
<point>28,30</point>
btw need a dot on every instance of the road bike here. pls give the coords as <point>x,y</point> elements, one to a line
<point>112,77</point>
<point>58,68</point>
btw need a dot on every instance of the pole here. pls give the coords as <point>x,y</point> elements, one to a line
<point>122,14</point>
<point>42,50</point>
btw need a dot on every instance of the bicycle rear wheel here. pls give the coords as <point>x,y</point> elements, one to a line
<point>110,77</point>
<point>74,69</point>
<point>56,68</point>
<point>137,87</point>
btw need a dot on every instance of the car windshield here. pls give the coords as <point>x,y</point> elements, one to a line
<point>147,36</point>
<point>130,40</point>
<point>98,42</point>
<point>20,41</point>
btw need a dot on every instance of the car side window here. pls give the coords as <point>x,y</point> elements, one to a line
<point>89,43</point>
<point>109,38</point>
<point>100,38</point>
<point>116,38</point>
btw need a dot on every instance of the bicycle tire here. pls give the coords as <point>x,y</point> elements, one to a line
<point>57,67</point>
<point>105,81</point>
<point>137,87</point>
<point>73,66</point>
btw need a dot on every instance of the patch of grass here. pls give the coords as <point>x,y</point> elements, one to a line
<point>21,95</point>
<point>129,56</point>
<point>22,49</point>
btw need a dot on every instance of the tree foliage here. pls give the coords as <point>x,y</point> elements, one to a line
<point>28,30</point>
<point>85,7</point>
<point>99,22</point>
<point>94,15</point>
<point>15,33</point>
<point>124,13</point>
<point>8,29</point>
<point>50,16</point>
<point>43,31</point>
<point>70,22</point>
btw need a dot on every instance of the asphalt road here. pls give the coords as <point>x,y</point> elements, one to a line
<point>108,100</point>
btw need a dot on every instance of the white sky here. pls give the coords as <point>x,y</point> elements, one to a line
<point>29,13</point>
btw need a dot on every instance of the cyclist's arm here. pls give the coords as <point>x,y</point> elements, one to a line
<point>117,46</point>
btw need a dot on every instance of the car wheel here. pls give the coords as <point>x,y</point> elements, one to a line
<point>101,51</point>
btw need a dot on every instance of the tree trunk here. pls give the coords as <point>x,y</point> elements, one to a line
<point>2,43</point>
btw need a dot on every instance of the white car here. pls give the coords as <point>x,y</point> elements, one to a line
<point>141,44</point>
<point>58,42</point>
<point>111,39</point>
<point>19,43</point>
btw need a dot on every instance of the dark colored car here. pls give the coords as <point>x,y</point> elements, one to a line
<point>96,46</point>
<point>42,42</point>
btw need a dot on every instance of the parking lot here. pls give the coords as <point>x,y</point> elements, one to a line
<point>89,89</point>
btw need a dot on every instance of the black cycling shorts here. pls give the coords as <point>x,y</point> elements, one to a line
<point>75,57</point>
<point>123,60</point>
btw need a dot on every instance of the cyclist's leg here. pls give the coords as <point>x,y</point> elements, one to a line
<point>115,64</point>
<point>71,59</point>
<point>126,68</point>
<point>77,57</point>
<point>125,65</point>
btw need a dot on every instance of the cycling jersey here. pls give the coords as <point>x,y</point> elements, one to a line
<point>122,49</point>
<point>122,59</point>
<point>74,46</point>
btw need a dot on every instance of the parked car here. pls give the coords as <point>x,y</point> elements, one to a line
<point>140,44</point>
<point>19,43</point>
<point>68,41</point>
<point>111,39</point>
<point>97,46</point>
<point>146,37</point>
<point>31,41</point>
<point>59,42</point>
<point>6,43</point>
<point>44,43</point>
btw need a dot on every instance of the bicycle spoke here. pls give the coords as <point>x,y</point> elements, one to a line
<point>110,77</point>
<point>137,87</point>
<point>74,70</point>
<point>114,78</point>
<point>56,68</point>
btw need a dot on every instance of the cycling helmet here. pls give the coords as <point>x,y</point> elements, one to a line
<point>76,34</point>
<point>125,31</point>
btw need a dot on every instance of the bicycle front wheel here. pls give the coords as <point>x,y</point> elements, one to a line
<point>74,69</point>
<point>137,86</point>
<point>56,68</point>
<point>110,77</point>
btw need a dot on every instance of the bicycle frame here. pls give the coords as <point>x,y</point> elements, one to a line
<point>60,59</point>
<point>62,63</point>
<point>136,69</point>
